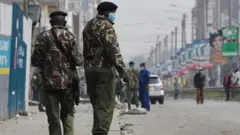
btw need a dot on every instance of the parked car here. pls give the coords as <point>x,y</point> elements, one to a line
<point>156,91</point>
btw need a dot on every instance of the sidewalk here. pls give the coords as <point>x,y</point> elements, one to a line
<point>36,124</point>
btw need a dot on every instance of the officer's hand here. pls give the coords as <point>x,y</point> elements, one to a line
<point>125,78</point>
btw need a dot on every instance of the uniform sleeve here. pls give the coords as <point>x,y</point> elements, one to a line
<point>111,46</point>
<point>37,57</point>
<point>76,52</point>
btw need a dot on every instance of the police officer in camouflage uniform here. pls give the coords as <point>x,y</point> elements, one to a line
<point>132,90</point>
<point>56,73</point>
<point>102,54</point>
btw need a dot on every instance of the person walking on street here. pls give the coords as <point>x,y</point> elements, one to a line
<point>37,87</point>
<point>199,80</point>
<point>102,54</point>
<point>227,85</point>
<point>176,88</point>
<point>51,55</point>
<point>144,76</point>
<point>118,88</point>
<point>132,90</point>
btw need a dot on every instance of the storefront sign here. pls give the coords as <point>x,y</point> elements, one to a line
<point>230,42</point>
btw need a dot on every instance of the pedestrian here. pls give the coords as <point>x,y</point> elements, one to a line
<point>119,87</point>
<point>102,54</point>
<point>176,88</point>
<point>199,80</point>
<point>144,76</point>
<point>236,77</point>
<point>56,55</point>
<point>227,85</point>
<point>37,87</point>
<point>133,86</point>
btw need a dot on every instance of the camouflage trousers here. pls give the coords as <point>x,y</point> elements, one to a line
<point>101,90</point>
<point>52,99</point>
<point>132,96</point>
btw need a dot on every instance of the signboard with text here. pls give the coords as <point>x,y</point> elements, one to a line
<point>230,42</point>
<point>5,47</point>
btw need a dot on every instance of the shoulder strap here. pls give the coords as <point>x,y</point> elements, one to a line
<point>66,52</point>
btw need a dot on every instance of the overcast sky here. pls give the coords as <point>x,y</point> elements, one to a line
<point>137,22</point>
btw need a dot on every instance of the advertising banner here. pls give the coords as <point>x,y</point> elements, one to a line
<point>216,48</point>
<point>5,48</point>
<point>230,42</point>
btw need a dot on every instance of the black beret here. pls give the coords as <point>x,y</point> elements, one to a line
<point>142,64</point>
<point>107,6</point>
<point>131,63</point>
<point>57,13</point>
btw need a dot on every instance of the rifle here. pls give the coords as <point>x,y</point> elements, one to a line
<point>72,60</point>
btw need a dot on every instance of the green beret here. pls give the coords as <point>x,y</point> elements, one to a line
<point>57,13</point>
<point>107,6</point>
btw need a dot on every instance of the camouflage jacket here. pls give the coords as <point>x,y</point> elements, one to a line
<point>101,48</point>
<point>133,78</point>
<point>55,68</point>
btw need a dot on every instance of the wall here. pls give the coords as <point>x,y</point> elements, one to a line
<point>5,36</point>
<point>15,46</point>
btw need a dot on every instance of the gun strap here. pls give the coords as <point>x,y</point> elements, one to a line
<point>66,52</point>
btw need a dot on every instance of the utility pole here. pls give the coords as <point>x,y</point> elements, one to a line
<point>184,30</point>
<point>25,6</point>
<point>172,46</point>
<point>160,51</point>
<point>166,47</point>
<point>193,20</point>
<point>176,38</point>
<point>156,57</point>
<point>229,13</point>
<point>205,2</point>
<point>218,14</point>
<point>157,49</point>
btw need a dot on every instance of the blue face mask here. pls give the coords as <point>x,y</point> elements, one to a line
<point>112,16</point>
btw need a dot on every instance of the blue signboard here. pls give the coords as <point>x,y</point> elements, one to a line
<point>17,64</point>
<point>5,47</point>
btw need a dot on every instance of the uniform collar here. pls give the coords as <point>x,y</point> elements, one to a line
<point>103,17</point>
<point>59,27</point>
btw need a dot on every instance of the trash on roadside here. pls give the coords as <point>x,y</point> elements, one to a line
<point>137,111</point>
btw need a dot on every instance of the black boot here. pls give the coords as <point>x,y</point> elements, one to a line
<point>41,108</point>
<point>129,107</point>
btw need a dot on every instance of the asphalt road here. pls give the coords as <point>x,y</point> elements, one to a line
<point>184,117</point>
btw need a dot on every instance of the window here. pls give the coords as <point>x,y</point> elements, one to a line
<point>154,80</point>
<point>71,6</point>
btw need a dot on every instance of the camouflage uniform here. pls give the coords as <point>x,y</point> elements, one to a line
<point>56,77</point>
<point>101,53</point>
<point>132,92</point>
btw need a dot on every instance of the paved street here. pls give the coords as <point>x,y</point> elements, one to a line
<point>184,117</point>
<point>36,124</point>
